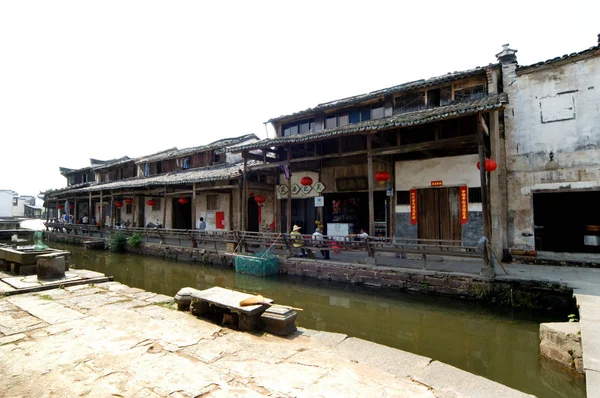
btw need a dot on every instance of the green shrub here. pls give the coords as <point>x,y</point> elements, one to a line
<point>134,240</point>
<point>117,242</point>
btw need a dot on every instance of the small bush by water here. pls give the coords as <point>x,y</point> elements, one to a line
<point>117,242</point>
<point>134,240</point>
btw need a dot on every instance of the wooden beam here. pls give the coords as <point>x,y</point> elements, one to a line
<point>308,159</point>
<point>467,140</point>
<point>260,158</point>
<point>371,186</point>
<point>380,141</point>
<point>483,124</point>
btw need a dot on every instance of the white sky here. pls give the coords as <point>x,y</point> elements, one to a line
<point>105,79</point>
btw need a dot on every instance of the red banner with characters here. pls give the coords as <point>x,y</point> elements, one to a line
<point>413,206</point>
<point>463,195</point>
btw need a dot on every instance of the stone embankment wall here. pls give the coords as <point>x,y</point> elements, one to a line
<point>532,295</point>
<point>510,293</point>
<point>561,342</point>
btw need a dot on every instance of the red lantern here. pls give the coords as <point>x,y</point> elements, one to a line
<point>151,202</point>
<point>60,207</point>
<point>259,199</point>
<point>128,201</point>
<point>382,176</point>
<point>182,201</point>
<point>306,180</point>
<point>118,205</point>
<point>490,165</point>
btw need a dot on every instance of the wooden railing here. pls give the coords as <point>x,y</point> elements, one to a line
<point>241,241</point>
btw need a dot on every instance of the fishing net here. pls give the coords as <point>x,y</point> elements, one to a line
<point>261,264</point>
<point>38,243</point>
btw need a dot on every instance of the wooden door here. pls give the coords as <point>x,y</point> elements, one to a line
<point>438,214</point>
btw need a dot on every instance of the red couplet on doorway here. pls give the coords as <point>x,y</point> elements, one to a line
<point>413,206</point>
<point>463,195</point>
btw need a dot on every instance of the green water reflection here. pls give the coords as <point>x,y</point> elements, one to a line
<point>499,346</point>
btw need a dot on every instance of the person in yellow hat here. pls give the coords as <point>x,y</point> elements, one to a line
<point>297,240</point>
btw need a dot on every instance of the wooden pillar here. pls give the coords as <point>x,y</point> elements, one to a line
<point>112,209</point>
<point>486,270</point>
<point>240,206</point>
<point>244,225</point>
<point>133,209</point>
<point>101,210</point>
<point>75,211</point>
<point>194,206</point>
<point>164,209</point>
<point>230,215</point>
<point>89,208</point>
<point>289,192</point>
<point>371,186</point>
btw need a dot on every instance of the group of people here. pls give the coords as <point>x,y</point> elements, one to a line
<point>318,238</point>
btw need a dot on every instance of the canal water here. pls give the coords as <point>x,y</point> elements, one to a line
<point>499,345</point>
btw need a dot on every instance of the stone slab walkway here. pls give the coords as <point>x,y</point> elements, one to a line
<point>112,340</point>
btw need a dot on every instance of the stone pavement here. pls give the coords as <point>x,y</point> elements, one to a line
<point>112,340</point>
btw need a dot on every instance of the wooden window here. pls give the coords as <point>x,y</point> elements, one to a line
<point>158,167</point>
<point>212,202</point>
<point>377,112</point>
<point>410,102</point>
<point>470,93</point>
<point>331,122</point>
<point>433,98</point>
<point>343,119</point>
<point>128,208</point>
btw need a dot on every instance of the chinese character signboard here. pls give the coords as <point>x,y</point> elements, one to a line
<point>413,206</point>
<point>437,183</point>
<point>463,195</point>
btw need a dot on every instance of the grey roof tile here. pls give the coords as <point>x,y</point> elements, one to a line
<point>433,81</point>
<point>590,50</point>
<point>204,174</point>
<point>401,120</point>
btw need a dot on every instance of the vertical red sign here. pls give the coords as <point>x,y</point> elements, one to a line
<point>413,206</point>
<point>463,194</point>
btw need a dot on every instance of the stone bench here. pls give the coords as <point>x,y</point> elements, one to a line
<point>219,300</point>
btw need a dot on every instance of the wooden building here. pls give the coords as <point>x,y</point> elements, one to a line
<point>398,162</point>
<point>172,188</point>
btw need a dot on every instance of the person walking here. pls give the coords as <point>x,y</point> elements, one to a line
<point>297,240</point>
<point>318,237</point>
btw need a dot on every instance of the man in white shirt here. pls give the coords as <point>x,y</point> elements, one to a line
<point>363,234</point>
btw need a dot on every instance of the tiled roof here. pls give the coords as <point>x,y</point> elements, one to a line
<point>175,153</point>
<point>433,81</point>
<point>113,163</point>
<point>402,120</point>
<point>95,165</point>
<point>590,51</point>
<point>204,174</point>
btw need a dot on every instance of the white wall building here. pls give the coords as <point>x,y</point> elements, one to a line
<point>552,130</point>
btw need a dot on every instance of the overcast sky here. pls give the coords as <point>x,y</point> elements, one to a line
<point>105,79</point>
